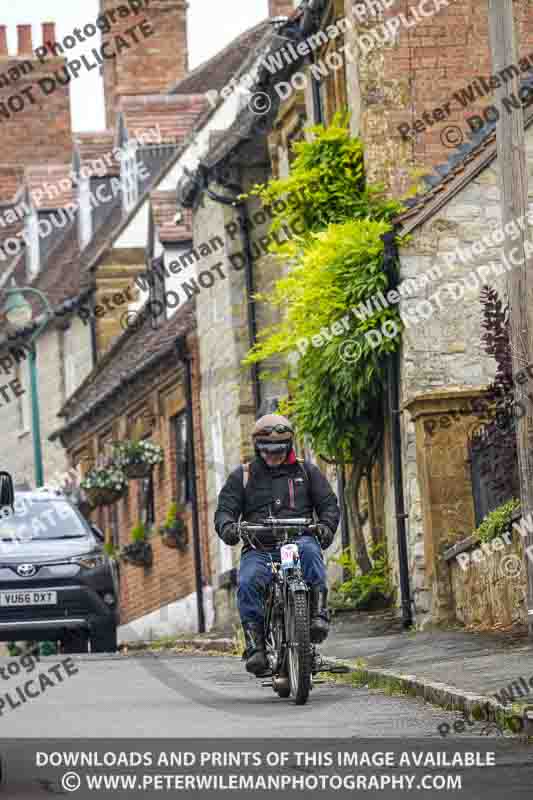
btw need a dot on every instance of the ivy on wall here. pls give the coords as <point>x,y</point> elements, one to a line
<point>336,389</point>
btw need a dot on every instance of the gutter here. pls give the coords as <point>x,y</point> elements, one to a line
<point>185,357</point>
<point>391,260</point>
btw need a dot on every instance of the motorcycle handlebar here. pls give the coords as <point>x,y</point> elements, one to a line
<point>278,523</point>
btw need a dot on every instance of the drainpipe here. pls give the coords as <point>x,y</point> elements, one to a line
<point>391,259</point>
<point>345,533</point>
<point>94,345</point>
<point>185,357</point>
<point>317,100</point>
<point>249,278</point>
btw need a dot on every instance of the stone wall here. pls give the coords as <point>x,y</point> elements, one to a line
<point>491,589</point>
<point>441,348</point>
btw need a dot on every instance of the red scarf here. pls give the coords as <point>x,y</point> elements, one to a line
<point>291,458</point>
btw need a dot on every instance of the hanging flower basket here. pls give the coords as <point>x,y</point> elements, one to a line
<point>137,470</point>
<point>139,554</point>
<point>104,486</point>
<point>176,536</point>
<point>174,532</point>
<point>137,459</point>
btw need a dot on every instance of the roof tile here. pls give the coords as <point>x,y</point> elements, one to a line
<point>173,114</point>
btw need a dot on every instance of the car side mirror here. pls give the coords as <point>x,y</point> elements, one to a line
<point>98,533</point>
<point>7,490</point>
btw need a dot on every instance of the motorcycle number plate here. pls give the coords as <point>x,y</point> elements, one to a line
<point>289,554</point>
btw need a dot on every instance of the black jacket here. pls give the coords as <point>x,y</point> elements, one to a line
<point>284,491</point>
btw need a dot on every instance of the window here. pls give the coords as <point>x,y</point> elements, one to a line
<point>183,478</point>
<point>130,185</point>
<point>146,502</point>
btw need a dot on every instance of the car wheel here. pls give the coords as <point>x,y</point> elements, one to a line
<point>104,640</point>
<point>75,642</point>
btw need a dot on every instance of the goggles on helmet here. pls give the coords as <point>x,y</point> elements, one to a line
<point>274,429</point>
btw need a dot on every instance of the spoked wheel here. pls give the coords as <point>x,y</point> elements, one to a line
<point>299,648</point>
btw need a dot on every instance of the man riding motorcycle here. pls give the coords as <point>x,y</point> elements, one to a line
<point>276,483</point>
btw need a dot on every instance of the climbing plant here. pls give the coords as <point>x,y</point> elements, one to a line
<point>335,265</point>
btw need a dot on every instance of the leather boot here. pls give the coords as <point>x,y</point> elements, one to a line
<point>256,661</point>
<point>319,614</point>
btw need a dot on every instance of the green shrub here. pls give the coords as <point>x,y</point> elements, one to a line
<point>138,533</point>
<point>110,549</point>
<point>360,591</point>
<point>497,521</point>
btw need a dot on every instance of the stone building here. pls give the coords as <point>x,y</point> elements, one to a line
<point>441,363</point>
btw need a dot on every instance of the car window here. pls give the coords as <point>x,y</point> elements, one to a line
<point>40,519</point>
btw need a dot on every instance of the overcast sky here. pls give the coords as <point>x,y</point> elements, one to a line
<point>212,25</point>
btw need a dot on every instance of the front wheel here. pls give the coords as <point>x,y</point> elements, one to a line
<point>104,640</point>
<point>299,647</point>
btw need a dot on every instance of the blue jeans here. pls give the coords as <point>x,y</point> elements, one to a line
<point>255,575</point>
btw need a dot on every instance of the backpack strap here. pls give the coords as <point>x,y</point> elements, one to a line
<point>301,464</point>
<point>245,474</point>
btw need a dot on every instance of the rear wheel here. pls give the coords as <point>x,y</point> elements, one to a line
<point>76,641</point>
<point>104,640</point>
<point>299,647</point>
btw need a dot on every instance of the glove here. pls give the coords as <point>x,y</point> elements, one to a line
<point>230,533</point>
<point>325,535</point>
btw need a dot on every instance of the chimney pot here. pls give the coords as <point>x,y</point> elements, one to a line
<point>49,32</point>
<point>25,45</point>
<point>280,8</point>
<point>3,41</point>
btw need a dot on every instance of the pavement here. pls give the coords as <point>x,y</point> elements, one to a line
<point>453,668</point>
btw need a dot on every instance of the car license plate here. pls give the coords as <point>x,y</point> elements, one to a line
<point>32,598</point>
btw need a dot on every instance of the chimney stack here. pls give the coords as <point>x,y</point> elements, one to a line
<point>3,41</point>
<point>25,46</point>
<point>280,8</point>
<point>49,32</point>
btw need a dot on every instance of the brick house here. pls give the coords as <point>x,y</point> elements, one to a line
<point>139,390</point>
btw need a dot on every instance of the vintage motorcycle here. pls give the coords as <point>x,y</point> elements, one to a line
<point>292,658</point>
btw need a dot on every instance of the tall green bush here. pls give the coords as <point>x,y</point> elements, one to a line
<point>336,391</point>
